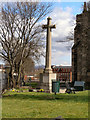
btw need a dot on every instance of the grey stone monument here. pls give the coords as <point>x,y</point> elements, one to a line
<point>47,76</point>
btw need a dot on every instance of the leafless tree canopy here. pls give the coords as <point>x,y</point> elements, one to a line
<point>88,5</point>
<point>70,37</point>
<point>20,32</point>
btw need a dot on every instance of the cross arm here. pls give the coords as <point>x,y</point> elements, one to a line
<point>44,26</point>
<point>52,26</point>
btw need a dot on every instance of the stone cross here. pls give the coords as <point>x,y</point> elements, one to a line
<point>48,45</point>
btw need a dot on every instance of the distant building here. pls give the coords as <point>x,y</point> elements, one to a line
<point>64,73</point>
<point>3,79</point>
<point>81,47</point>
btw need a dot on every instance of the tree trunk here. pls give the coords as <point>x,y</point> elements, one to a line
<point>20,66</point>
<point>19,73</point>
<point>11,80</point>
<point>8,82</point>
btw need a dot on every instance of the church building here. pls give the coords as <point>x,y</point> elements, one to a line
<point>81,47</point>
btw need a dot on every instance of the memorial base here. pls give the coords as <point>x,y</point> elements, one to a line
<point>46,81</point>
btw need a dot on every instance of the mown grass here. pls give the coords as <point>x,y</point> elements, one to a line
<point>44,105</point>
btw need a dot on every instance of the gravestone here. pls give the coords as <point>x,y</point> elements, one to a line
<point>3,80</point>
<point>47,76</point>
<point>79,85</point>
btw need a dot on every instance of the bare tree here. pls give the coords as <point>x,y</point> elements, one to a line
<point>21,34</point>
<point>70,37</point>
<point>88,5</point>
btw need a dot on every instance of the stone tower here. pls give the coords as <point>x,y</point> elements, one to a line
<point>81,47</point>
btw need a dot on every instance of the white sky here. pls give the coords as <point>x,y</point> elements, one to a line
<point>63,18</point>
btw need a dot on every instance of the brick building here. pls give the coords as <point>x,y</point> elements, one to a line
<point>64,73</point>
<point>81,47</point>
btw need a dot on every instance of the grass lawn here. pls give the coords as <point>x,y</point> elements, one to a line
<point>44,105</point>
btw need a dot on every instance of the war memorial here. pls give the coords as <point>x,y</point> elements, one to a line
<point>47,76</point>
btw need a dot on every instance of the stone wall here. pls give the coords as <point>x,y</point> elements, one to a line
<point>81,48</point>
<point>3,80</point>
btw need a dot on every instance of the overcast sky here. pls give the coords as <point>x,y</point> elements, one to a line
<point>63,15</point>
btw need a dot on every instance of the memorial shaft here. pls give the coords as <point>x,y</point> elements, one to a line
<point>48,45</point>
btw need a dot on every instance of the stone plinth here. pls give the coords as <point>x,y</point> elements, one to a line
<point>46,81</point>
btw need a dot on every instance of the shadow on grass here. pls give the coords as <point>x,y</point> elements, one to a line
<point>44,119</point>
<point>42,96</point>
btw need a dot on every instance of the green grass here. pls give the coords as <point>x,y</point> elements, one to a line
<point>33,84</point>
<point>44,105</point>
